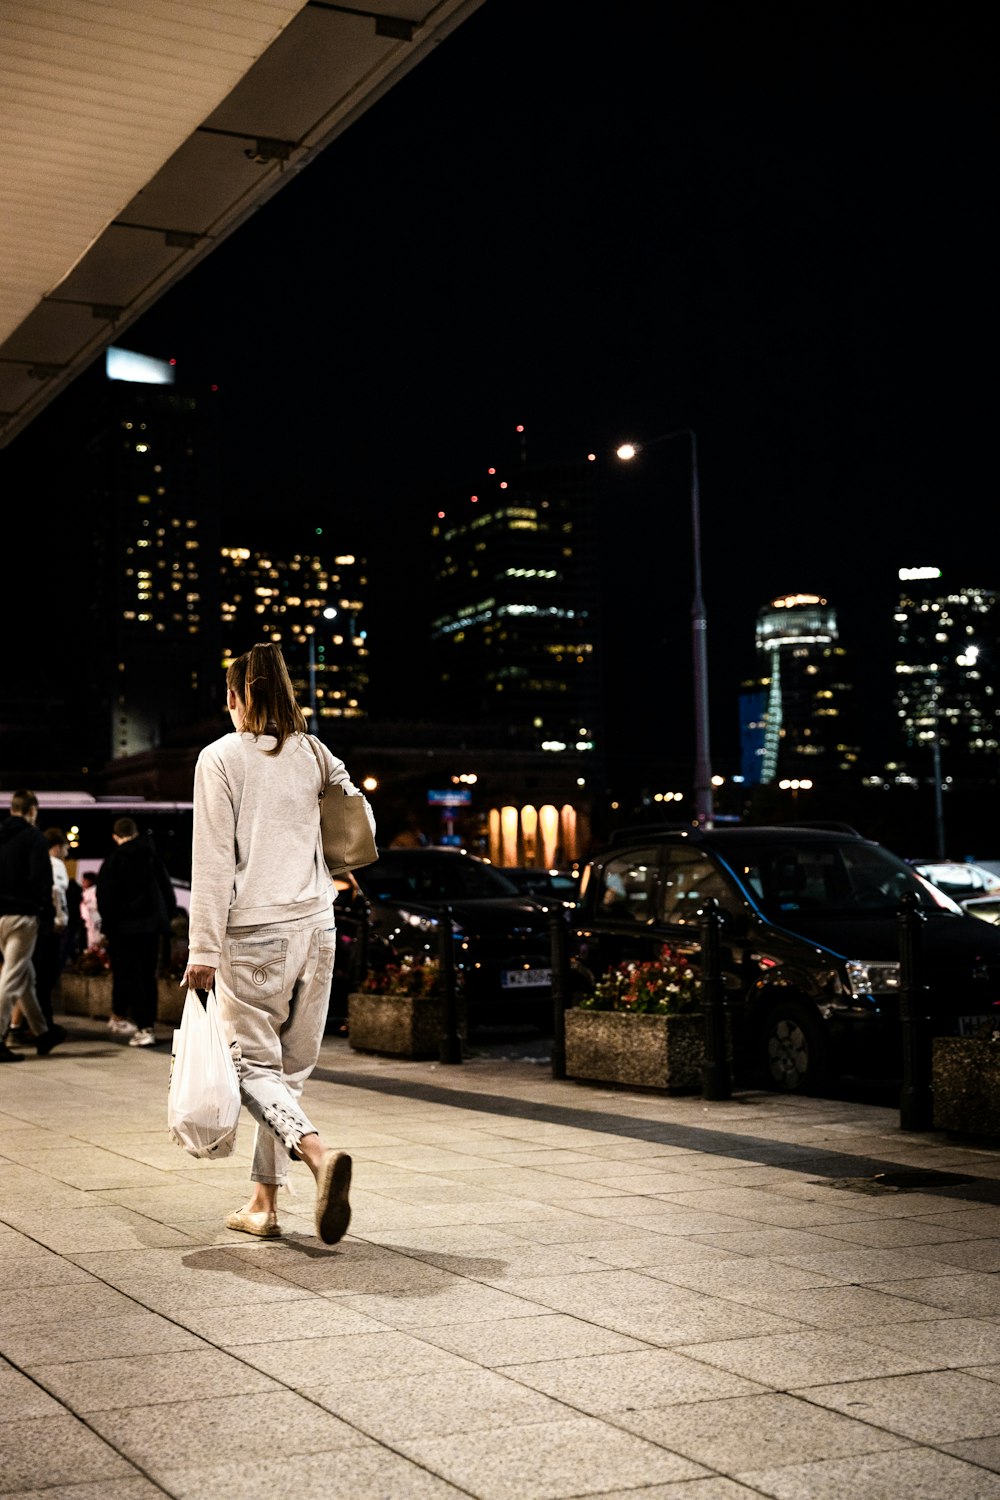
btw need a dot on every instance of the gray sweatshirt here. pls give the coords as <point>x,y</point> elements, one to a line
<point>257,855</point>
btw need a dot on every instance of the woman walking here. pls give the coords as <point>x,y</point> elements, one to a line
<point>261,926</point>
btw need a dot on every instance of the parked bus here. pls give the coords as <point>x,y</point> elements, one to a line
<point>89,822</point>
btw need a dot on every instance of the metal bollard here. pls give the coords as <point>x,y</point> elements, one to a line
<point>359,956</point>
<point>715,1080</point>
<point>916,1099</point>
<point>451,1042</point>
<point>560,988</point>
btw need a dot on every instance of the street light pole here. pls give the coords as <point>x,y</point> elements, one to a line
<point>703,795</point>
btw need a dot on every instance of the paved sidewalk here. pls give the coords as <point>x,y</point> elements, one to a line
<point>550,1290</point>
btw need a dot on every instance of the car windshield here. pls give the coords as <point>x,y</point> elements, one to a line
<point>431,877</point>
<point>828,878</point>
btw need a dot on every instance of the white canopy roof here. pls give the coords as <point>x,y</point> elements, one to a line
<point>139,133</point>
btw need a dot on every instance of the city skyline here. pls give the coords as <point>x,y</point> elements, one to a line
<point>767,229</point>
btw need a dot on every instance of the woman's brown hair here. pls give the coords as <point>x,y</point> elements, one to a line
<point>260,679</point>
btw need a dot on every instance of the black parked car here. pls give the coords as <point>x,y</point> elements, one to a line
<point>810,941</point>
<point>501,938</point>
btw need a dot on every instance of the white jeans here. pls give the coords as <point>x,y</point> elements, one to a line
<point>17,978</point>
<point>273,985</point>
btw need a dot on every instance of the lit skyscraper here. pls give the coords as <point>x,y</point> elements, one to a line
<point>794,714</point>
<point>311,605</point>
<point>150,467</point>
<point>946,667</point>
<point>515,627</point>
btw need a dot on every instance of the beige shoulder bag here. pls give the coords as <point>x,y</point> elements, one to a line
<point>348,841</point>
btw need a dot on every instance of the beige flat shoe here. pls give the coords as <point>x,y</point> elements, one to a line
<point>333,1209</point>
<point>257,1222</point>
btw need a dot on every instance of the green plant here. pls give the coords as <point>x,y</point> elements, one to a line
<point>664,986</point>
<point>413,975</point>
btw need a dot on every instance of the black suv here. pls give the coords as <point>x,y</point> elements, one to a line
<point>502,945</point>
<point>810,941</point>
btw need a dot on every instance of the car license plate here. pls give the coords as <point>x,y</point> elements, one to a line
<point>522,979</point>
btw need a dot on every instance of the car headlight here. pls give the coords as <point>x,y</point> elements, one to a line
<point>872,976</point>
<point>414,919</point>
<point>425,924</point>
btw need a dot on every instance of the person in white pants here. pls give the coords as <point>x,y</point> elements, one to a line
<point>261,926</point>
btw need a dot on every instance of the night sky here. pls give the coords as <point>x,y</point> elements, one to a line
<point>765,221</point>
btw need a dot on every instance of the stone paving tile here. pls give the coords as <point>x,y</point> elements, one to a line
<point>546,1460</point>
<point>172,1434</point>
<point>437,1403</point>
<point>740,1278</point>
<point>343,1359</point>
<point>462,1302</point>
<point>353,1268</point>
<point>970,1255</point>
<point>99,1384</point>
<point>604,1384</point>
<point>715,1488</point>
<point>843,1308</point>
<point>637,1251</point>
<point>886,1233</point>
<point>105,1489</point>
<point>748,1432</point>
<point>362,1473</point>
<point>135,1332</point>
<point>982,1451</point>
<point>21,1399</point>
<point>57,1450</point>
<point>913,1474</point>
<point>760,1206</point>
<point>786,1360</point>
<point>938,1406</point>
<point>178,1262</point>
<point>952,1342</point>
<point>306,1317</point>
<point>173,1200</point>
<point>31,1305</point>
<point>986,1372</point>
<point>89,1168</point>
<point>43,1268</point>
<point>521,1340</point>
<point>976,1293</point>
<point>775,1244</point>
<point>529,1182</point>
<point>862,1265</point>
<point>982,1220</point>
<point>95,1228</point>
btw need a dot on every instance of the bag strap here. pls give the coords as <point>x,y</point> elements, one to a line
<point>322,769</point>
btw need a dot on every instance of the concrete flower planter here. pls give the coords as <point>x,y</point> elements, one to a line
<point>650,1052</point>
<point>90,995</point>
<point>396,1025</point>
<point>966,1081</point>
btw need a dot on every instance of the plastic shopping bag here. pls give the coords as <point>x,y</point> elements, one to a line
<point>203,1096</point>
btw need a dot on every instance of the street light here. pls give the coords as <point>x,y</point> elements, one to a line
<point>703,804</point>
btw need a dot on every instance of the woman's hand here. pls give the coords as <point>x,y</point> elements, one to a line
<point>198,977</point>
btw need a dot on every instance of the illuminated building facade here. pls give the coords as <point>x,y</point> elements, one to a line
<point>151,490</point>
<point>515,627</point>
<point>946,665</point>
<point>795,713</point>
<point>309,603</point>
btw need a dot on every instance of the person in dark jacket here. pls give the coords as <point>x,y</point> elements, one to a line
<point>25,897</point>
<point>136,900</point>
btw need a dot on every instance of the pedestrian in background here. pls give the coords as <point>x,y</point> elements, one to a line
<point>136,900</point>
<point>49,952</point>
<point>89,910</point>
<point>261,926</point>
<point>25,895</point>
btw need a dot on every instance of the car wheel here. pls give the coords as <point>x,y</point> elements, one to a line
<point>795,1051</point>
